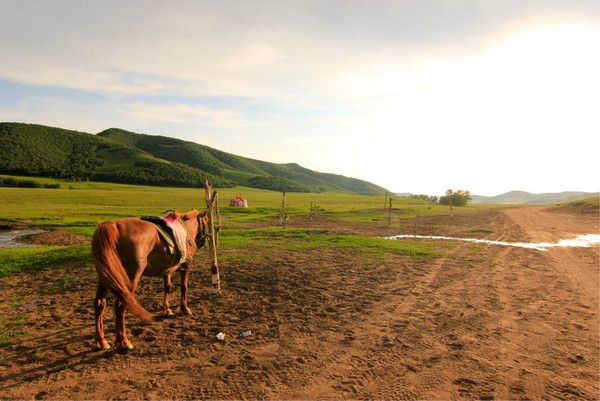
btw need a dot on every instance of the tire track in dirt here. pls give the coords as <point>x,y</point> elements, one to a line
<point>556,299</point>
<point>373,364</point>
<point>493,325</point>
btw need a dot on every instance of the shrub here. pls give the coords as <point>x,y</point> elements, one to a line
<point>20,183</point>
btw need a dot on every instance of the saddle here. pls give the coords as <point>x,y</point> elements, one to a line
<point>172,232</point>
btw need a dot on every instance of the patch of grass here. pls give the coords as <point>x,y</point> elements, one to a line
<point>477,249</point>
<point>12,328</point>
<point>243,237</point>
<point>367,244</point>
<point>39,355</point>
<point>242,257</point>
<point>589,205</point>
<point>82,204</point>
<point>59,285</point>
<point>314,239</point>
<point>29,259</point>
<point>481,231</point>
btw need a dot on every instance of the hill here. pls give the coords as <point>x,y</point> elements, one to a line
<point>527,198</point>
<point>581,206</point>
<point>241,170</point>
<point>116,155</point>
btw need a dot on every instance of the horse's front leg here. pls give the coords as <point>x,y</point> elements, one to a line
<point>168,290</point>
<point>185,310</point>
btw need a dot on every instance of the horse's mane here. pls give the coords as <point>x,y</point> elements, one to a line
<point>192,214</point>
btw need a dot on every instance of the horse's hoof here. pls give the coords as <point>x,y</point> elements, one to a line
<point>123,348</point>
<point>168,313</point>
<point>102,345</point>
<point>186,312</point>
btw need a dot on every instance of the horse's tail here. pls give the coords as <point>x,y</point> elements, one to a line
<point>110,269</point>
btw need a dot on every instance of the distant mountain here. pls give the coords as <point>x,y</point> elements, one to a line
<point>116,155</point>
<point>526,198</point>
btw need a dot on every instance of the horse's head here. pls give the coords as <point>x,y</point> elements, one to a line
<point>202,229</point>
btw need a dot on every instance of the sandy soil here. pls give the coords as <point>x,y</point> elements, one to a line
<point>55,237</point>
<point>482,322</point>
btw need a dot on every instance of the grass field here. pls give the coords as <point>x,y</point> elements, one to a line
<point>333,308</point>
<point>78,206</point>
<point>82,204</point>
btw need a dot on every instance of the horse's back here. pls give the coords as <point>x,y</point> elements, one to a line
<point>140,241</point>
<point>135,239</point>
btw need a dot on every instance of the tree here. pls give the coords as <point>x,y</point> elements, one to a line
<point>82,161</point>
<point>455,198</point>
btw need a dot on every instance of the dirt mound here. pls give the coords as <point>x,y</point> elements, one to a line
<point>55,237</point>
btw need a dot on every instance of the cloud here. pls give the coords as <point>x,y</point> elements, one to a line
<point>320,83</point>
<point>281,50</point>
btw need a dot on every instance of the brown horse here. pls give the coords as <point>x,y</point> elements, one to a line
<point>126,249</point>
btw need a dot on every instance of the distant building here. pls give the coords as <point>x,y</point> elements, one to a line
<point>238,201</point>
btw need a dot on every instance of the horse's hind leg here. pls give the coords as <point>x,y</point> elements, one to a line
<point>122,343</point>
<point>185,310</point>
<point>99,306</point>
<point>168,290</point>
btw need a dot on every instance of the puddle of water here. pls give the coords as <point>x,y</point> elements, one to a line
<point>584,240</point>
<point>9,239</point>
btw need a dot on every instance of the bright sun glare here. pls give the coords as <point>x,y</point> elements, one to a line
<point>532,90</point>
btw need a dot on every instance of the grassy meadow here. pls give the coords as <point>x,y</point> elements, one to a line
<point>82,204</point>
<point>78,206</point>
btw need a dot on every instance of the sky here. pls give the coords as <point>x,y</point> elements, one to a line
<point>416,96</point>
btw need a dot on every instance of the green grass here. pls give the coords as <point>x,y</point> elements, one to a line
<point>39,355</point>
<point>59,285</point>
<point>29,259</point>
<point>367,244</point>
<point>12,328</point>
<point>583,205</point>
<point>79,205</point>
<point>319,239</point>
<point>481,231</point>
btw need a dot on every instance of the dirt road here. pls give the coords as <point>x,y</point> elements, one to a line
<point>481,322</point>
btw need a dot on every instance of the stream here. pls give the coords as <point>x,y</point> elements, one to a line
<point>583,240</point>
<point>9,239</point>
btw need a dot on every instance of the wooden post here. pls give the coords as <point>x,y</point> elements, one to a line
<point>390,213</point>
<point>215,201</point>
<point>385,202</point>
<point>417,217</point>
<point>449,196</point>
<point>283,213</point>
<point>212,237</point>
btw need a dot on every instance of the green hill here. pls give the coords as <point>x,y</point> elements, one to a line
<point>116,155</point>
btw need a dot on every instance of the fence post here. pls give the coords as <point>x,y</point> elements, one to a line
<point>212,237</point>
<point>283,213</point>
